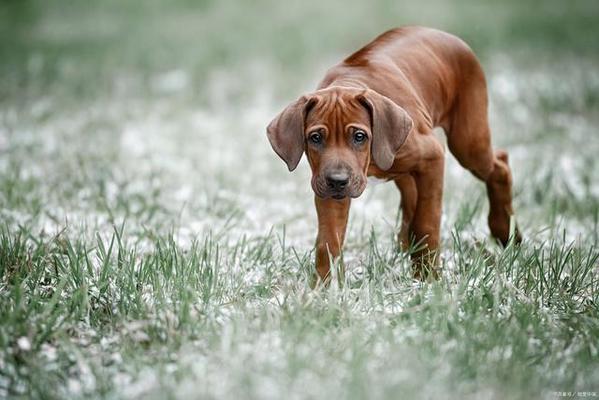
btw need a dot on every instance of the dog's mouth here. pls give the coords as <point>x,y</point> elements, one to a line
<point>353,190</point>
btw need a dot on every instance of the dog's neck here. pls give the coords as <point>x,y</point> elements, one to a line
<point>347,82</point>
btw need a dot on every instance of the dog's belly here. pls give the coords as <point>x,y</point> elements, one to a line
<point>373,180</point>
<point>376,176</point>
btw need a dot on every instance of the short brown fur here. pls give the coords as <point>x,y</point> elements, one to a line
<point>395,90</point>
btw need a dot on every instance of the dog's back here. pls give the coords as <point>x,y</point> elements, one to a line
<point>427,66</point>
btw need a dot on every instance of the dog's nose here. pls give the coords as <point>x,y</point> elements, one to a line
<point>338,180</point>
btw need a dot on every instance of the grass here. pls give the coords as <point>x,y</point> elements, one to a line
<point>153,246</point>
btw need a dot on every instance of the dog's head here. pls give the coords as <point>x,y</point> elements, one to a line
<point>340,129</point>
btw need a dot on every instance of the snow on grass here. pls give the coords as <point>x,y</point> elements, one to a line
<point>154,245</point>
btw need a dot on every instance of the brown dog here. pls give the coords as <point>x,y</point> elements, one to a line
<point>373,115</point>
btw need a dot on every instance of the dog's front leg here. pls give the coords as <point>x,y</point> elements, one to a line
<point>332,221</point>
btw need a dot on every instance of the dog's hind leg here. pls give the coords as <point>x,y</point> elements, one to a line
<point>426,224</point>
<point>469,140</point>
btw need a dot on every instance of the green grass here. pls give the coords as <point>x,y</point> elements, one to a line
<point>153,246</point>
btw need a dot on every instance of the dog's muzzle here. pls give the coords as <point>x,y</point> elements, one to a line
<point>338,184</point>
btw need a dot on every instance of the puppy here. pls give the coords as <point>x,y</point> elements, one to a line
<point>373,115</point>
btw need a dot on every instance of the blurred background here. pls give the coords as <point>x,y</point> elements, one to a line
<point>138,108</point>
<point>145,121</point>
<point>105,47</point>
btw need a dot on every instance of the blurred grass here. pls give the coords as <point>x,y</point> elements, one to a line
<point>90,44</point>
<point>152,246</point>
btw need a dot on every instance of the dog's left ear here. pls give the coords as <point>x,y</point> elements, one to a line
<point>391,125</point>
<point>286,131</point>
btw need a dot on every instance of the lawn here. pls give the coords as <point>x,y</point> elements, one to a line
<point>153,246</point>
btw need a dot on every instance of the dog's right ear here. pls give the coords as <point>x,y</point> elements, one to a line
<point>286,131</point>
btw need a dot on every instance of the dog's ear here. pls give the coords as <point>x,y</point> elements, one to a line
<point>286,131</point>
<point>391,125</point>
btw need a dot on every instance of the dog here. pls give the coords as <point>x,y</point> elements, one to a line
<point>373,115</point>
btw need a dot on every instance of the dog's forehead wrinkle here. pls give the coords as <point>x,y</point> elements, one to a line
<point>337,109</point>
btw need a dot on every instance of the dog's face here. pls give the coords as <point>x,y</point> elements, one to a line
<point>340,129</point>
<point>337,140</point>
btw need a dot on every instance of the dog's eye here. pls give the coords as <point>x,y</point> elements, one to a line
<point>360,136</point>
<point>315,137</point>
